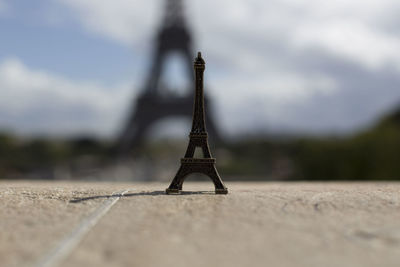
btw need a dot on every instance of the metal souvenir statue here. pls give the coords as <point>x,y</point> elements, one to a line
<point>198,138</point>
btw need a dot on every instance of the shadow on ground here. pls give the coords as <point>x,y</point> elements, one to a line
<point>151,193</point>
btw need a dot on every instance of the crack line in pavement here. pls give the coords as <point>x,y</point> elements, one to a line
<point>67,245</point>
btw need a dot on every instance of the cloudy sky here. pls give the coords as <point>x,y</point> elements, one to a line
<point>74,66</point>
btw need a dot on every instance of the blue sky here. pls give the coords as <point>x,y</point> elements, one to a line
<point>69,67</point>
<point>60,46</point>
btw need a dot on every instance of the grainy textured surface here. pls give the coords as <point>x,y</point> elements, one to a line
<point>35,216</point>
<point>256,224</point>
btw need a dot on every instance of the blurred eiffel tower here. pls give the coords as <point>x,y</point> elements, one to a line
<point>154,103</point>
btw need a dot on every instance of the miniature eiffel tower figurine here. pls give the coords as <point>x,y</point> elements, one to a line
<point>198,138</point>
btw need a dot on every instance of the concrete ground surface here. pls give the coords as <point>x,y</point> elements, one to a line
<point>256,224</point>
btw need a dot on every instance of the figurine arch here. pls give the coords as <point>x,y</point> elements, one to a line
<point>189,168</point>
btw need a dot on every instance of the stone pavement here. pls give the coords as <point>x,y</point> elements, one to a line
<point>256,224</point>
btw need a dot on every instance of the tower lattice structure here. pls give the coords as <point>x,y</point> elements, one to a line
<point>154,104</point>
<point>198,138</point>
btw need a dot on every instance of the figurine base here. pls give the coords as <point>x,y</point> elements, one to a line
<point>170,191</point>
<point>221,191</point>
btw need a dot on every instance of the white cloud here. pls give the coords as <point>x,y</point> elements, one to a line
<point>259,104</point>
<point>353,40</point>
<point>125,21</point>
<point>34,101</point>
<point>255,51</point>
<point>353,30</point>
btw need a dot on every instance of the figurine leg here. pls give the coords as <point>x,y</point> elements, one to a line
<point>220,188</point>
<point>176,185</point>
